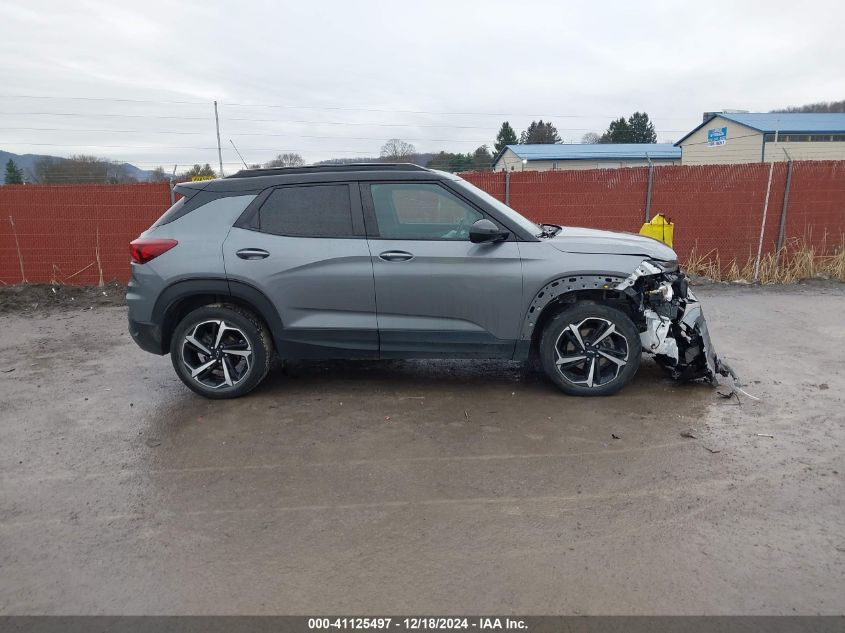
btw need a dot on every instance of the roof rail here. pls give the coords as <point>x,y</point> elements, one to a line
<point>316,169</point>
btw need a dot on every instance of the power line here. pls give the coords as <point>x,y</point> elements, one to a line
<point>330,108</point>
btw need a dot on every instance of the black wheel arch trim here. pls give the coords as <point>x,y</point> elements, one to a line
<point>560,286</point>
<point>187,288</point>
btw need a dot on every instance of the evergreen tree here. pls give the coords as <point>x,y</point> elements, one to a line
<point>642,129</point>
<point>14,174</point>
<point>540,133</point>
<point>617,132</point>
<point>198,170</point>
<point>482,160</point>
<point>506,136</point>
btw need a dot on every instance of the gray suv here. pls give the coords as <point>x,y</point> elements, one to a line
<point>398,261</point>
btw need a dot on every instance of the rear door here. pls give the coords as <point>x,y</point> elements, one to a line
<point>304,247</point>
<point>437,293</point>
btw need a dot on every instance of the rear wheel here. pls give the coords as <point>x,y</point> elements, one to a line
<point>590,350</point>
<point>221,351</point>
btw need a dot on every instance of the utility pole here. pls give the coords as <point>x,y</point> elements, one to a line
<point>219,149</point>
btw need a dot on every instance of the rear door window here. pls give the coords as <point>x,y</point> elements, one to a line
<point>308,211</point>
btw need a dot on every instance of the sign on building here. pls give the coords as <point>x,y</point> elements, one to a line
<point>717,136</point>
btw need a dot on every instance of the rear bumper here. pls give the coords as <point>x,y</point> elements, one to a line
<point>147,336</point>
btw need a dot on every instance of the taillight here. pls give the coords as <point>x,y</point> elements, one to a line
<point>145,249</point>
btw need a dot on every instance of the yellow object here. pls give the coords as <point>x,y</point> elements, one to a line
<point>660,228</point>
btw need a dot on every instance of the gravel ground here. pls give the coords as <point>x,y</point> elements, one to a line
<point>421,487</point>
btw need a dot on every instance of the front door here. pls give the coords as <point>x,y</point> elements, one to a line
<point>437,293</point>
<point>304,247</point>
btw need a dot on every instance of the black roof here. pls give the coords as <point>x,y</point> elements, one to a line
<point>251,180</point>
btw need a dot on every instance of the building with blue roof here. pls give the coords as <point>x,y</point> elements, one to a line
<point>547,157</point>
<point>754,137</point>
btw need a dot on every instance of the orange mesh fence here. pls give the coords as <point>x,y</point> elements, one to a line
<point>72,233</point>
<point>79,234</point>
<point>715,208</point>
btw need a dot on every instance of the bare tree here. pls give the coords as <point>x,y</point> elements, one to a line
<point>158,175</point>
<point>286,160</point>
<point>396,151</point>
<point>79,169</point>
<point>591,138</point>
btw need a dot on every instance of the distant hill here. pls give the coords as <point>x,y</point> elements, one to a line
<point>822,106</point>
<point>27,163</point>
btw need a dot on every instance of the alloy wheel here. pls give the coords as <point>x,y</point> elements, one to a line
<point>591,353</point>
<point>217,354</point>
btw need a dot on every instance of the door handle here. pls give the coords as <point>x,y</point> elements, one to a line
<point>252,253</point>
<point>396,256</point>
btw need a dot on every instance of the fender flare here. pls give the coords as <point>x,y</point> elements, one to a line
<point>188,288</point>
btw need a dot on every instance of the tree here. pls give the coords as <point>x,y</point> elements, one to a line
<point>617,132</point>
<point>14,174</point>
<point>196,171</point>
<point>286,160</point>
<point>637,129</point>
<point>540,133</point>
<point>482,159</point>
<point>79,168</point>
<point>823,106</point>
<point>642,129</point>
<point>448,161</point>
<point>158,175</point>
<point>396,151</point>
<point>506,136</point>
<point>590,138</point>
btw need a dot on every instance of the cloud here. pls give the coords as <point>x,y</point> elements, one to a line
<point>461,67</point>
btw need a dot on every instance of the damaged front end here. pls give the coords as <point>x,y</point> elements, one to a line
<point>672,324</point>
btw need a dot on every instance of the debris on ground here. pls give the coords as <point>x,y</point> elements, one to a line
<point>764,435</point>
<point>824,386</point>
<point>32,297</point>
<point>729,395</point>
<point>615,437</point>
<point>152,442</point>
<point>712,450</point>
<point>689,434</point>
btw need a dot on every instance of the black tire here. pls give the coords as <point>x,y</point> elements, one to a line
<point>244,333</point>
<point>607,376</point>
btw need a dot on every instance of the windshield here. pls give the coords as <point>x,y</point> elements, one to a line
<point>502,208</point>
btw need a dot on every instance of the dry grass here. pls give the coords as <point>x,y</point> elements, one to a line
<point>797,260</point>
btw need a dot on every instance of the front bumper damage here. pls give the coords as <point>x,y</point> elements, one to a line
<point>672,324</point>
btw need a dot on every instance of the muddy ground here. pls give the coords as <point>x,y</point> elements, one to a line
<point>424,487</point>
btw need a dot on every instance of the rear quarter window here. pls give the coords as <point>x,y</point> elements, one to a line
<point>307,211</point>
<point>172,213</point>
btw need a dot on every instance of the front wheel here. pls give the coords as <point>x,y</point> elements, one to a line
<point>221,351</point>
<point>590,350</point>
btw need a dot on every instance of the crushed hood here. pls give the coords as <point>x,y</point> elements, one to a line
<point>578,240</point>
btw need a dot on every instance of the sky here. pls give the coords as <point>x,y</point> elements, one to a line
<point>135,81</point>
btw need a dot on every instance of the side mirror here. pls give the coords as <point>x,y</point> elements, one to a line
<point>483,231</point>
